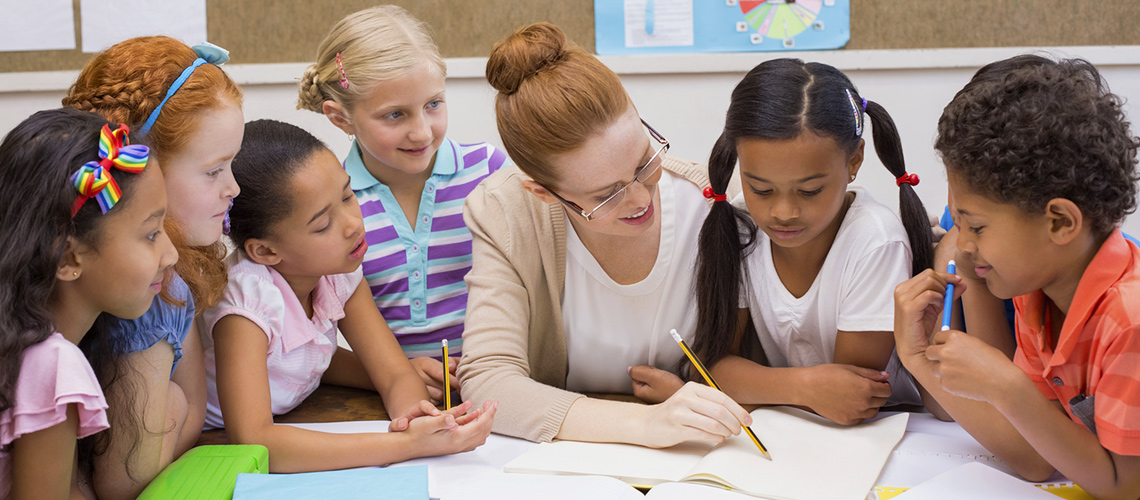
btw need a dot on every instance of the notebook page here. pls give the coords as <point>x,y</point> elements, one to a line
<point>975,480</point>
<point>635,465</point>
<point>812,458</point>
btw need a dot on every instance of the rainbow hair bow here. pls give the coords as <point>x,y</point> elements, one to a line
<point>93,179</point>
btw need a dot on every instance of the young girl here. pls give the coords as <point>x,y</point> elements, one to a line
<point>816,280</point>
<point>379,77</point>
<point>190,114</point>
<point>82,235</point>
<point>272,339</point>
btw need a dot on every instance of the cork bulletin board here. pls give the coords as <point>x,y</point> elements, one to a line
<point>280,31</point>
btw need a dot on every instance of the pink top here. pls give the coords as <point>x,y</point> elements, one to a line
<point>53,374</point>
<point>300,348</point>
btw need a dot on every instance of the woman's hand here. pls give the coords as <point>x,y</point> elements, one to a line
<point>694,413</point>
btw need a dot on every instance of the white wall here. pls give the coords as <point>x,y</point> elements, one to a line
<point>683,96</point>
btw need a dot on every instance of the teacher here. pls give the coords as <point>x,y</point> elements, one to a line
<point>583,260</point>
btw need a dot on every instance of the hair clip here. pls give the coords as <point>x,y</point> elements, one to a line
<point>226,219</point>
<point>93,179</point>
<point>855,110</point>
<point>343,75</point>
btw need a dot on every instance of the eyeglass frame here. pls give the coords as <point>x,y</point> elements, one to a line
<point>636,177</point>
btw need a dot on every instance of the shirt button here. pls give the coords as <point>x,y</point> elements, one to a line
<point>415,248</point>
<point>431,189</point>
<point>417,303</point>
<point>1058,381</point>
<point>416,275</point>
<point>425,219</point>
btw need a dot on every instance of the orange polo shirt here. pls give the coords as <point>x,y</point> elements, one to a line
<point>1098,350</point>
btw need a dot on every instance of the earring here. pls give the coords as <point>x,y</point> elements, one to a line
<point>852,178</point>
<point>75,274</point>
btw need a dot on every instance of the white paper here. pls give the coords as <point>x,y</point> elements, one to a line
<point>103,23</point>
<point>658,23</point>
<point>36,25</point>
<point>804,448</point>
<point>975,480</point>
<point>479,474</point>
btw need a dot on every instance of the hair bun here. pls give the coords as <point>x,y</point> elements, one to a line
<point>523,54</point>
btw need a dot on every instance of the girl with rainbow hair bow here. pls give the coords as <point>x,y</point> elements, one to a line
<point>67,265</point>
<point>190,113</point>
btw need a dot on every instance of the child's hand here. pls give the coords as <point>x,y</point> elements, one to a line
<point>918,305</point>
<point>425,409</point>
<point>847,394</point>
<point>970,368</point>
<point>446,434</point>
<point>431,371</point>
<point>694,413</point>
<point>653,385</point>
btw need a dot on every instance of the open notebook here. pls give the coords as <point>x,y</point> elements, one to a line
<point>812,458</point>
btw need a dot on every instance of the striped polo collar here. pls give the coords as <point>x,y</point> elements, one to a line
<point>446,163</point>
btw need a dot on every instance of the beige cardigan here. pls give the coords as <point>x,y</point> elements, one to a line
<point>514,350</point>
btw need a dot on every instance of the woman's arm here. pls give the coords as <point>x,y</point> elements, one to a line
<point>43,462</point>
<point>380,354</point>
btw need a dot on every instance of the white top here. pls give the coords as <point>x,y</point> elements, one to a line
<point>610,327</point>
<point>300,348</point>
<point>853,292</point>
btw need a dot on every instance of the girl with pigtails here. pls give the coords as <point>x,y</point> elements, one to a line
<point>815,282</point>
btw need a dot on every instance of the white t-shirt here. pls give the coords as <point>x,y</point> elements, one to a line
<point>853,292</point>
<point>610,327</point>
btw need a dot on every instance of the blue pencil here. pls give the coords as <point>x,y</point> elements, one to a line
<point>948,301</point>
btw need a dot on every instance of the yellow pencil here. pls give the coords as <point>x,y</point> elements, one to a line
<point>712,383</point>
<point>446,378</point>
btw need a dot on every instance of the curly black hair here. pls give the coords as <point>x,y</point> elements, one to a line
<point>1029,129</point>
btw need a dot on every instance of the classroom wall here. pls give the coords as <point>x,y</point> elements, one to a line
<point>683,96</point>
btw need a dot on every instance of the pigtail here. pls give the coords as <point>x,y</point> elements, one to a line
<point>725,235</point>
<point>889,148</point>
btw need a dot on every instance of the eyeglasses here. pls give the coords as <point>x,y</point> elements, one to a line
<point>642,174</point>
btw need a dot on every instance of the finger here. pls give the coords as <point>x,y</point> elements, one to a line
<point>467,418</point>
<point>697,434</point>
<point>453,364</point>
<point>878,402</point>
<point>435,393</point>
<point>880,389</point>
<point>737,413</point>
<point>876,375</point>
<point>943,337</point>
<point>426,408</point>
<point>460,409</point>
<point>641,373</point>
<point>398,425</point>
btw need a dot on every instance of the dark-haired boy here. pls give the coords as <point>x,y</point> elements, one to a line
<point>1042,169</point>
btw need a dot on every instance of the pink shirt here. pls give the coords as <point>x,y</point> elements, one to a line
<point>53,374</point>
<point>300,348</point>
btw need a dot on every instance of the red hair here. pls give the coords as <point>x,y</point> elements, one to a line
<point>124,84</point>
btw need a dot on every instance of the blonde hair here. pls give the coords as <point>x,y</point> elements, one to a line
<point>553,96</point>
<point>375,45</point>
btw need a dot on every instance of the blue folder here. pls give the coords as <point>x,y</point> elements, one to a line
<point>389,483</point>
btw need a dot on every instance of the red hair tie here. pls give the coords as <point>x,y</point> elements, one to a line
<point>713,196</point>
<point>911,179</point>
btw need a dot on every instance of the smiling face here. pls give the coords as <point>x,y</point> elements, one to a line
<point>1010,249</point>
<point>603,164</point>
<point>795,189</point>
<point>324,232</point>
<point>123,268</point>
<point>199,181</point>
<point>401,123</point>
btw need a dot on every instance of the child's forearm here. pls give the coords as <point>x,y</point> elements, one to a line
<point>300,450</point>
<point>403,393</point>
<point>747,382</point>
<point>984,316</point>
<point>982,421</point>
<point>1066,445</point>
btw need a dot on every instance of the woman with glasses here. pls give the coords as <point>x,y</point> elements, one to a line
<point>583,260</point>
